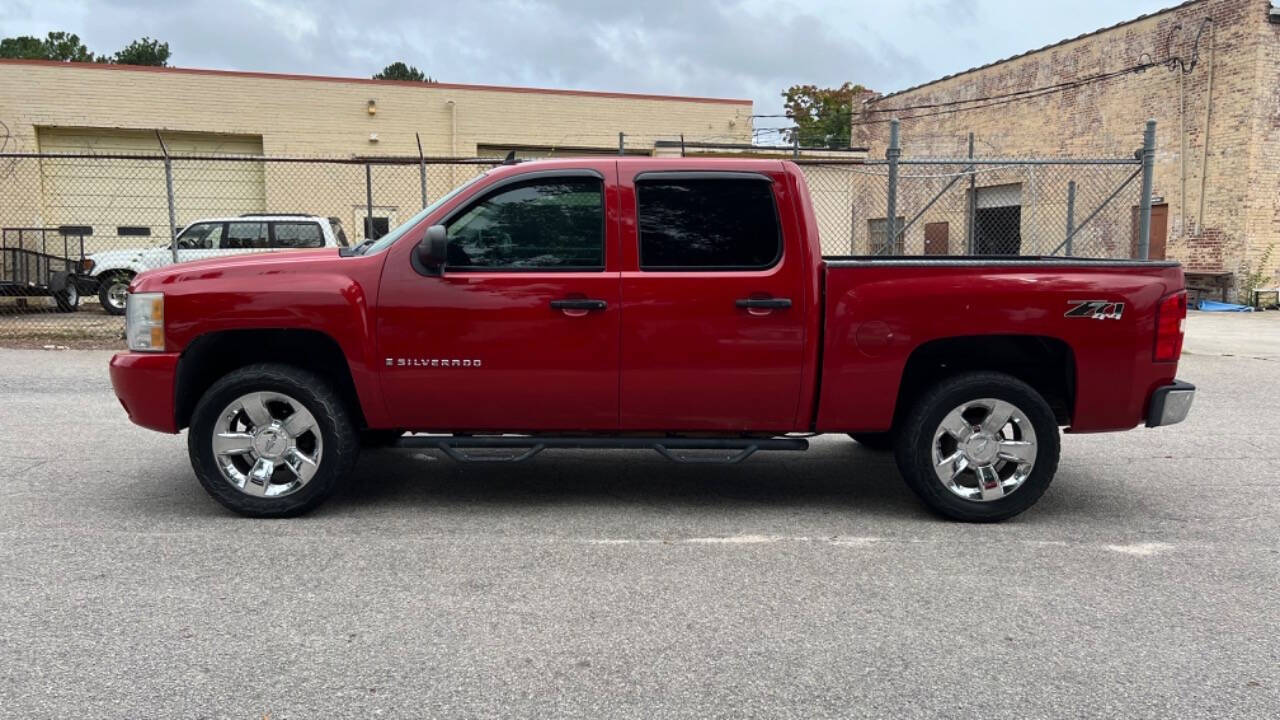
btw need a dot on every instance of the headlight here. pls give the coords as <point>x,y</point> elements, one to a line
<point>144,322</point>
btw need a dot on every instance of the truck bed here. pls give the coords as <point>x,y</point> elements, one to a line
<point>884,315</point>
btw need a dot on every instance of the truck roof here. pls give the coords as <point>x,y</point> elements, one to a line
<point>638,164</point>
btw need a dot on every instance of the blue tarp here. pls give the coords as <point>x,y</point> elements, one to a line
<point>1214,306</point>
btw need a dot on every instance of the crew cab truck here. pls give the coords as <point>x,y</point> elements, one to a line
<point>673,304</point>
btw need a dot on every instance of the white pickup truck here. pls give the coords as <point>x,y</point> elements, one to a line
<point>211,237</point>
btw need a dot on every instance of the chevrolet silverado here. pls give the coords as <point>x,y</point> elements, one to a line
<point>681,305</point>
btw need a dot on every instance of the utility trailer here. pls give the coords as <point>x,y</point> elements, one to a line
<point>45,262</point>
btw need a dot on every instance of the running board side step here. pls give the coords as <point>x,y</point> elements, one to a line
<point>455,446</point>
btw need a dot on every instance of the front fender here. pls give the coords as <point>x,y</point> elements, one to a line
<point>277,294</point>
<point>100,270</point>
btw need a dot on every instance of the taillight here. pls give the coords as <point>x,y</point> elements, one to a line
<point>1171,319</point>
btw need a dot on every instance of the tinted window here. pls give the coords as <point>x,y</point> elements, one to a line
<point>201,236</point>
<point>707,223</point>
<point>246,235</point>
<point>551,223</point>
<point>298,235</point>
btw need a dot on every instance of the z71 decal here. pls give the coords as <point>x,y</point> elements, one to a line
<point>1096,309</point>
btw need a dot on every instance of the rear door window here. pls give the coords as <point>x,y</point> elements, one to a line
<point>711,221</point>
<point>297,235</point>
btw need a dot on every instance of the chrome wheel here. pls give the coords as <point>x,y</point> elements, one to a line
<point>267,444</point>
<point>984,449</point>
<point>116,293</point>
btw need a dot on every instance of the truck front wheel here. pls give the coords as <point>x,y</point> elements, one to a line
<point>979,447</point>
<point>112,290</point>
<point>271,440</point>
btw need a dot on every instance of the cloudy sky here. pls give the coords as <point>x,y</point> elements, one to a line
<point>726,48</point>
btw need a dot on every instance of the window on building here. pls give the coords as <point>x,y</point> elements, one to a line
<point>246,236</point>
<point>719,223</point>
<point>878,237</point>
<point>550,223</point>
<point>133,231</point>
<point>376,226</point>
<point>297,235</point>
<point>997,220</point>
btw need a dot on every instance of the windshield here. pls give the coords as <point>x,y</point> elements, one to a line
<point>387,240</point>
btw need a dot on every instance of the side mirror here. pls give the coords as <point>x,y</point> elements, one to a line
<point>432,249</point>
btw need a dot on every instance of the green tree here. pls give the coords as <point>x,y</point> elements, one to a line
<point>143,52</point>
<point>62,46</point>
<point>400,71</point>
<point>823,116</point>
<point>23,47</point>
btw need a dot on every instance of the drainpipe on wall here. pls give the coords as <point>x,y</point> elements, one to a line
<point>1208,114</point>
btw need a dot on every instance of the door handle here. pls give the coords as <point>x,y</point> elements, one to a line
<point>763,303</point>
<point>578,304</point>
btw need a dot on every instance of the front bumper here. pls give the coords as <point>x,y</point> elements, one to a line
<point>144,384</point>
<point>1170,404</point>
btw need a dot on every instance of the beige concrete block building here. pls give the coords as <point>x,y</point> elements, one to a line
<point>1208,71</point>
<point>111,109</point>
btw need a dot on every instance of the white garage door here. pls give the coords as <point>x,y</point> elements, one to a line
<point>124,200</point>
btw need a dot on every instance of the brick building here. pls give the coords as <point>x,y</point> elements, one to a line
<point>1208,71</point>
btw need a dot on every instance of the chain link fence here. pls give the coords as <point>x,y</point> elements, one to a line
<point>74,228</point>
<point>1082,207</point>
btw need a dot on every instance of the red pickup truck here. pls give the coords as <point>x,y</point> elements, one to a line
<point>681,305</point>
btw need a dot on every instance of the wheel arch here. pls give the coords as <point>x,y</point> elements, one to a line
<point>213,355</point>
<point>130,269</point>
<point>1044,362</point>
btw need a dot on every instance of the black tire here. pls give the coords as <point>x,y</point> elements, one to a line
<point>914,449</point>
<point>338,432</point>
<point>67,300</point>
<point>379,438</point>
<point>108,281</point>
<point>878,441</point>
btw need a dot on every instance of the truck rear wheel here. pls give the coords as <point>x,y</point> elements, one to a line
<point>271,441</point>
<point>112,290</point>
<point>979,447</point>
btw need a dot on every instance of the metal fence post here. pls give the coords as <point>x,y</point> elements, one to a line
<point>422,170</point>
<point>971,206</point>
<point>621,137</point>
<point>1071,214</point>
<point>892,154</point>
<point>368,199</point>
<point>168,186</point>
<point>1144,209</point>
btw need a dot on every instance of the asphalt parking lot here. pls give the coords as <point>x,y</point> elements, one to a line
<point>588,584</point>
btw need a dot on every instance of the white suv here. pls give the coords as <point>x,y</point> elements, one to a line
<point>212,237</point>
